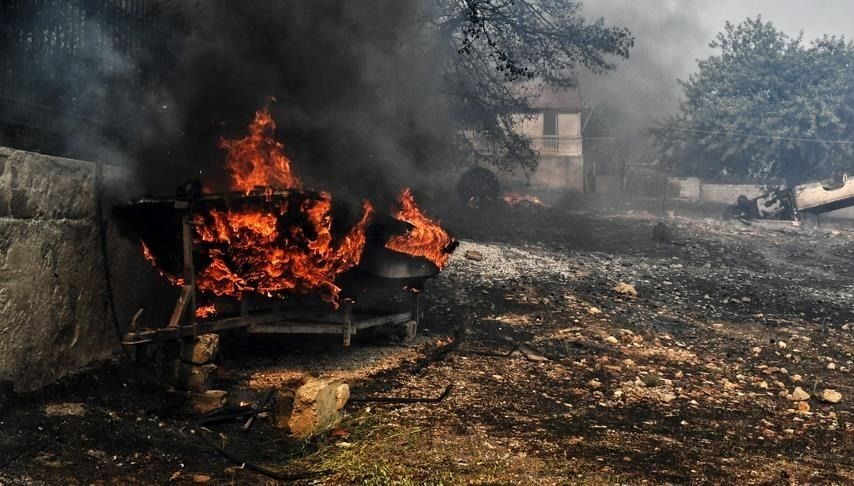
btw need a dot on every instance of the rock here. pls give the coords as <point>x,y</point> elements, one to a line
<point>651,380</point>
<point>831,366</point>
<point>474,255</point>
<point>830,396</point>
<point>342,395</point>
<point>532,355</point>
<point>799,395</point>
<point>668,397</point>
<point>628,363</point>
<point>662,233</point>
<point>797,378</point>
<point>612,340</point>
<point>625,289</point>
<point>201,478</point>
<point>803,407</point>
<point>781,344</point>
<point>191,377</point>
<point>200,350</point>
<point>594,384</point>
<point>314,406</point>
<point>69,409</point>
<point>207,401</point>
<point>594,311</point>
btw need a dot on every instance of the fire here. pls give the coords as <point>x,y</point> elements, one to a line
<point>258,251</point>
<point>284,243</point>
<point>426,238</point>
<point>280,248</point>
<point>177,281</point>
<point>259,160</point>
<point>205,311</point>
<point>516,199</point>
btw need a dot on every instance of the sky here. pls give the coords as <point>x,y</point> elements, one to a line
<point>671,35</point>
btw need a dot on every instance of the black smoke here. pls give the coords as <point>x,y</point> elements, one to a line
<point>155,85</point>
<point>353,87</point>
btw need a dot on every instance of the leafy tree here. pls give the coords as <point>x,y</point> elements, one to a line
<point>765,105</point>
<point>495,45</point>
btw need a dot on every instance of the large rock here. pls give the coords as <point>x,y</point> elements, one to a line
<point>314,406</point>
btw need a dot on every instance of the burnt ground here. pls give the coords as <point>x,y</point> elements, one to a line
<point>689,381</point>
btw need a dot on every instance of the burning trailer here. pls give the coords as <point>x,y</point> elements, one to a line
<point>270,257</point>
<point>791,203</point>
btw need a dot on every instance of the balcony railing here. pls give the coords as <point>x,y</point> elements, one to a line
<point>553,145</point>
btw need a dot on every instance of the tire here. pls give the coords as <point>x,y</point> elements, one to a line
<point>478,186</point>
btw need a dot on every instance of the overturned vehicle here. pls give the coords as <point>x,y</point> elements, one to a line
<point>791,203</point>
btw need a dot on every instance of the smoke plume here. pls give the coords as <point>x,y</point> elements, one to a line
<point>351,86</point>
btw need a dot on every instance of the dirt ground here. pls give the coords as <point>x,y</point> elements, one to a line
<point>578,350</point>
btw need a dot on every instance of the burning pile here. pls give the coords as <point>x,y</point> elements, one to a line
<point>283,243</point>
<point>516,199</point>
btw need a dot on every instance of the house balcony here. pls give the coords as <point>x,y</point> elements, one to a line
<point>559,146</point>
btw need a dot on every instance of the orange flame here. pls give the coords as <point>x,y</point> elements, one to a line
<point>426,238</point>
<point>174,280</point>
<point>205,311</point>
<point>254,249</point>
<point>251,252</point>
<point>259,160</point>
<point>288,246</point>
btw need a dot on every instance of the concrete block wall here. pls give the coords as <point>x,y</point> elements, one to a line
<point>55,316</point>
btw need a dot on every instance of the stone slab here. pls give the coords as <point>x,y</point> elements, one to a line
<point>36,186</point>
<point>53,309</point>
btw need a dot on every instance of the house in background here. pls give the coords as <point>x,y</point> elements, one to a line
<point>555,131</point>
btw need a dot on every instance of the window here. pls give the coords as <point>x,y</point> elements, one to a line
<point>550,124</point>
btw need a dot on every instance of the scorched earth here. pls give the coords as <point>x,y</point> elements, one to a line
<point>559,347</point>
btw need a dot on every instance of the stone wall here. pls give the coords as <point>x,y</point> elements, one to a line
<point>55,314</point>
